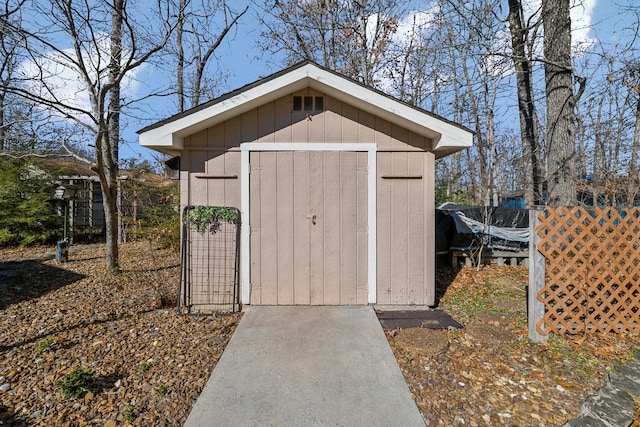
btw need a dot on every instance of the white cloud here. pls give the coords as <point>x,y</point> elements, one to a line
<point>416,22</point>
<point>54,77</point>
<point>411,29</point>
<point>581,23</point>
<point>581,12</point>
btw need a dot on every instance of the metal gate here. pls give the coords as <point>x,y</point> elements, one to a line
<point>209,276</point>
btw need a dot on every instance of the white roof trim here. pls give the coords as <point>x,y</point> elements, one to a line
<point>446,137</point>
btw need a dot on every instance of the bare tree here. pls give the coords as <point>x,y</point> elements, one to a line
<point>411,70</point>
<point>352,37</point>
<point>522,41</point>
<point>98,44</point>
<point>561,101</point>
<point>612,120</point>
<point>632,170</point>
<point>25,131</point>
<point>631,80</point>
<point>198,36</point>
<point>10,47</point>
<point>476,42</point>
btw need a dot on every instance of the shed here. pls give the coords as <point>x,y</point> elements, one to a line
<point>86,214</point>
<point>334,181</point>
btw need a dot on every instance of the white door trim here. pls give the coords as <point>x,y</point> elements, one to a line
<point>245,229</point>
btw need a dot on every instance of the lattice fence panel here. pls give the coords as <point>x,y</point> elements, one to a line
<point>592,278</point>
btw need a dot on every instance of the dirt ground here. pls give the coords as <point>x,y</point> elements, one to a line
<point>149,363</point>
<point>489,373</point>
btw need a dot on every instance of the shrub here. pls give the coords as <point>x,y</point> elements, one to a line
<point>28,215</point>
<point>142,368</point>
<point>46,344</point>
<point>77,383</point>
<point>161,390</point>
<point>129,414</point>
<point>156,217</point>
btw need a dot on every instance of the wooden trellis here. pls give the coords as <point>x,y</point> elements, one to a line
<point>591,270</point>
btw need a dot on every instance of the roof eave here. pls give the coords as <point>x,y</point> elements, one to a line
<point>450,144</point>
<point>446,137</point>
<point>170,135</point>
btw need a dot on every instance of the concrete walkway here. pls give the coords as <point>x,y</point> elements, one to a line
<point>307,366</point>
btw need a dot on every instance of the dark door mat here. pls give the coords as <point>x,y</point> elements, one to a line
<point>431,319</point>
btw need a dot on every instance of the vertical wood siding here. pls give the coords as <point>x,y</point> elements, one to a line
<point>405,228</point>
<point>405,210</point>
<point>309,247</point>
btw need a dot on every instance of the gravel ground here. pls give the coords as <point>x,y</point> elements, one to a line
<point>489,373</point>
<point>150,363</point>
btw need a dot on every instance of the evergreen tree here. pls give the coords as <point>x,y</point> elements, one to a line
<point>28,215</point>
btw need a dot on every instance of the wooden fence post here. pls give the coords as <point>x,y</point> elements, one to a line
<point>537,264</point>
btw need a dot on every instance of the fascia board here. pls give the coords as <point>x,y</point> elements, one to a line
<point>170,136</point>
<point>452,142</point>
<point>446,137</point>
<point>160,139</point>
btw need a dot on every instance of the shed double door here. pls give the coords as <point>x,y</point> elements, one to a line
<point>308,225</point>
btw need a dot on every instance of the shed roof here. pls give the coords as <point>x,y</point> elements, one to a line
<point>67,169</point>
<point>168,135</point>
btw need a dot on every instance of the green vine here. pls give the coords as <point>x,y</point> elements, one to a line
<point>210,218</point>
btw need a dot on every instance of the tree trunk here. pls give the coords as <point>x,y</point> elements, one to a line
<point>526,106</point>
<point>363,49</point>
<point>2,132</point>
<point>633,164</point>
<point>203,60</point>
<point>490,100</point>
<point>561,121</point>
<point>180,48</point>
<point>111,138</point>
<point>482,186</point>
<point>598,159</point>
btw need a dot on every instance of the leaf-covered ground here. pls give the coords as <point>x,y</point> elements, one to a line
<point>490,373</point>
<point>148,363</point>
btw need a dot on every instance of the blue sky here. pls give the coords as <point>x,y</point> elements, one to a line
<point>246,64</point>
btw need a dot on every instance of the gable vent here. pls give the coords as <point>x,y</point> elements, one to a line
<point>308,103</point>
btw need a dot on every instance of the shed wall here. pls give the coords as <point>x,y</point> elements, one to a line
<point>406,227</point>
<point>211,175</point>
